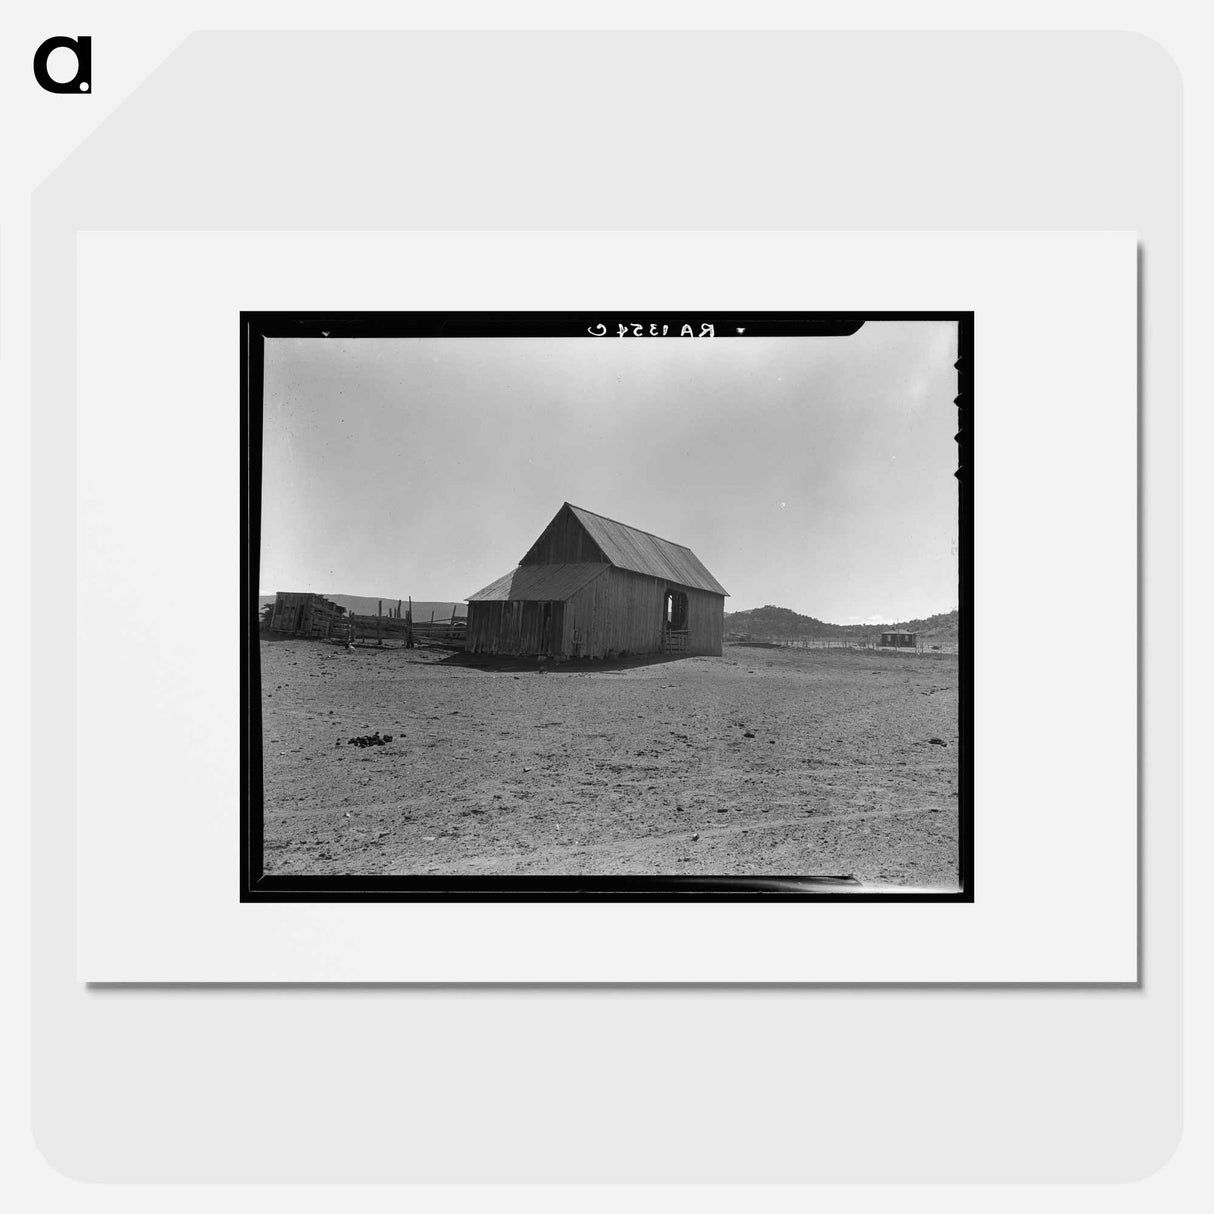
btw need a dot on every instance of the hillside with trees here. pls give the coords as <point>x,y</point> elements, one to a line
<point>781,624</point>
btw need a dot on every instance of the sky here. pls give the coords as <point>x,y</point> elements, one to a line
<point>814,473</point>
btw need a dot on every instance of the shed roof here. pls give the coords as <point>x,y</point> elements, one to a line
<point>639,551</point>
<point>539,583</point>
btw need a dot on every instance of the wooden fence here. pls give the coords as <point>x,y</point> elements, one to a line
<point>674,640</point>
<point>924,646</point>
<point>402,630</point>
<point>927,645</point>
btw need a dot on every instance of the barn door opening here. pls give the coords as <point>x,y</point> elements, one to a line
<point>674,622</point>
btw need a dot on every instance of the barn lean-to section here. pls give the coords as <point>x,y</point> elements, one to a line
<point>525,611</point>
<point>593,587</point>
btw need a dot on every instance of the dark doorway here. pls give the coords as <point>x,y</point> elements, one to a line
<point>674,622</point>
<point>675,613</point>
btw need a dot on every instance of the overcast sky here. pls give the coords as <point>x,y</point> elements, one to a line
<point>813,472</point>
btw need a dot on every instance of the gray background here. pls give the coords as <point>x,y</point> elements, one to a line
<point>620,131</point>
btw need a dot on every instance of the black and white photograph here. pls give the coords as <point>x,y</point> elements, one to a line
<point>577,606</point>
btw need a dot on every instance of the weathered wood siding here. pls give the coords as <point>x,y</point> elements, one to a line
<point>621,612</point>
<point>705,622</point>
<point>304,614</point>
<point>514,627</point>
<point>617,612</point>
<point>564,542</point>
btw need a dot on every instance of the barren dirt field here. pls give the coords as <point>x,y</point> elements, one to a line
<point>760,762</point>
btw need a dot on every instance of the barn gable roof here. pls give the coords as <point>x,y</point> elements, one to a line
<point>640,552</point>
<point>539,583</point>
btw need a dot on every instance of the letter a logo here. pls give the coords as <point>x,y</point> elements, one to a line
<point>82,81</point>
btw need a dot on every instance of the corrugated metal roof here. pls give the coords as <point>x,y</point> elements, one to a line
<point>627,548</point>
<point>542,583</point>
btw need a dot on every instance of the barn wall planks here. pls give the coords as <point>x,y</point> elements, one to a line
<point>621,612</point>
<point>514,627</point>
<point>705,622</point>
<point>616,613</point>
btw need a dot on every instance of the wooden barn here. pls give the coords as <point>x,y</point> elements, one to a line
<point>594,588</point>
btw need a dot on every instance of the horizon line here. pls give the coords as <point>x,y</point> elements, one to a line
<point>264,594</point>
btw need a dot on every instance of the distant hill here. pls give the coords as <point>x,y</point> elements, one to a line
<point>781,624</point>
<point>361,605</point>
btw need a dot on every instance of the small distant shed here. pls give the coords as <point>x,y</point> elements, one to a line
<point>899,640</point>
<point>300,614</point>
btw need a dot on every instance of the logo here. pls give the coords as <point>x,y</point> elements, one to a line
<point>82,81</point>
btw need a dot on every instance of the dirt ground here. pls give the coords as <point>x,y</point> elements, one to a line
<point>760,762</point>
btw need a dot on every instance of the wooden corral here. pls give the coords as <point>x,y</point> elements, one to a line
<point>295,613</point>
<point>591,587</point>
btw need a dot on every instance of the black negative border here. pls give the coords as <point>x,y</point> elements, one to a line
<point>256,886</point>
